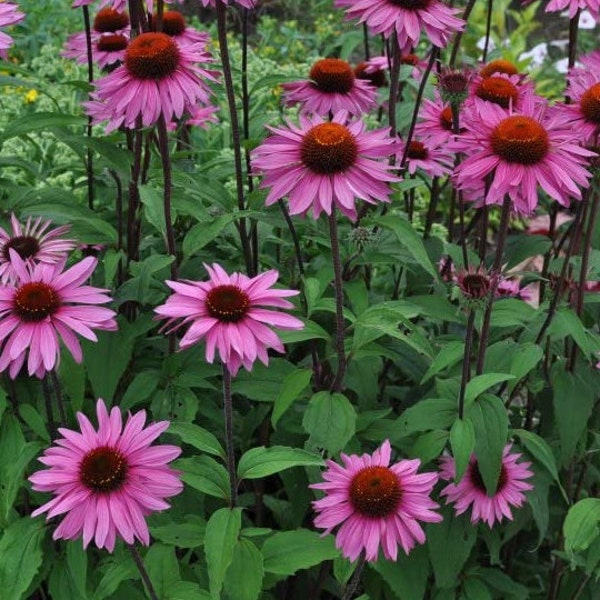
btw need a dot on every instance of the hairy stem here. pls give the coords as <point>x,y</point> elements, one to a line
<point>466,371</point>
<point>352,586</point>
<point>89,160</point>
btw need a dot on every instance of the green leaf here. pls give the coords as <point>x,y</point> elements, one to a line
<point>246,571</point>
<point>475,589</point>
<point>198,437</point>
<point>20,556</point>
<point>183,535</point>
<point>261,461</point>
<point>490,423</point>
<point>293,385</point>
<point>263,383</point>
<point>330,419</point>
<point>582,524</point>
<point>449,355</point>
<point>407,576</point>
<point>39,121</point>
<point>204,474</point>
<point>481,383</point>
<point>429,446</point>
<point>502,583</point>
<point>289,551</point>
<point>116,573</point>
<point>450,543</point>
<point>163,568</point>
<point>574,398</point>
<point>462,442</point>
<point>425,415</point>
<point>539,449</point>
<point>203,233</point>
<point>111,355</point>
<point>222,531</point>
<point>409,239</point>
<point>525,358</point>
<point>567,324</point>
<point>154,209</point>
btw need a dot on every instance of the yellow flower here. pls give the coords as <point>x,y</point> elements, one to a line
<point>31,96</point>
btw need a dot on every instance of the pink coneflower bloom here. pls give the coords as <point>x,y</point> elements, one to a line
<point>593,6</point>
<point>322,164</point>
<point>376,504</point>
<point>202,116</point>
<point>109,480</point>
<point>373,71</point>
<point>33,242</point>
<point>519,151</point>
<point>45,305</point>
<point>471,491</point>
<point>406,18</point>
<point>119,5</point>
<point>511,288</point>
<point>174,24</point>
<point>331,87</point>
<point>430,158</point>
<point>107,49</point>
<point>9,15</point>
<point>227,311</point>
<point>242,3</point>
<point>495,67</point>
<point>435,125</point>
<point>504,90</point>
<point>583,112</point>
<point>157,78</point>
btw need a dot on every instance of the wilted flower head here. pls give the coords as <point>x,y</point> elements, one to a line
<point>107,480</point>
<point>375,504</point>
<point>475,283</point>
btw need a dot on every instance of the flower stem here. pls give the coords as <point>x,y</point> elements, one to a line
<point>59,399</point>
<point>432,58</point>
<point>137,559</point>
<point>235,131</point>
<point>339,302</point>
<point>366,41</point>
<point>228,413</point>
<point>488,28</point>
<point>48,404</point>
<point>466,372</point>
<point>485,328</point>
<point>350,589</point>
<point>89,160</point>
<point>163,145</point>
<point>458,37</point>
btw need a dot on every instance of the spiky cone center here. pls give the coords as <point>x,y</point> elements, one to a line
<point>109,20</point>
<point>475,286</point>
<point>590,104</point>
<point>453,85</point>
<point>477,479</point>
<point>409,59</point>
<point>152,56</point>
<point>112,42</point>
<point>25,246</point>
<point>375,492</point>
<point>498,90</point>
<point>375,78</point>
<point>411,4</point>
<point>498,66</point>
<point>35,301</point>
<point>520,139</point>
<point>332,76</point>
<point>417,151</point>
<point>103,469</point>
<point>328,148</point>
<point>173,23</point>
<point>446,118</point>
<point>227,303</point>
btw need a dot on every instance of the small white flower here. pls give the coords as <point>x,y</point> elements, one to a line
<point>562,65</point>
<point>537,54</point>
<point>586,21</point>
